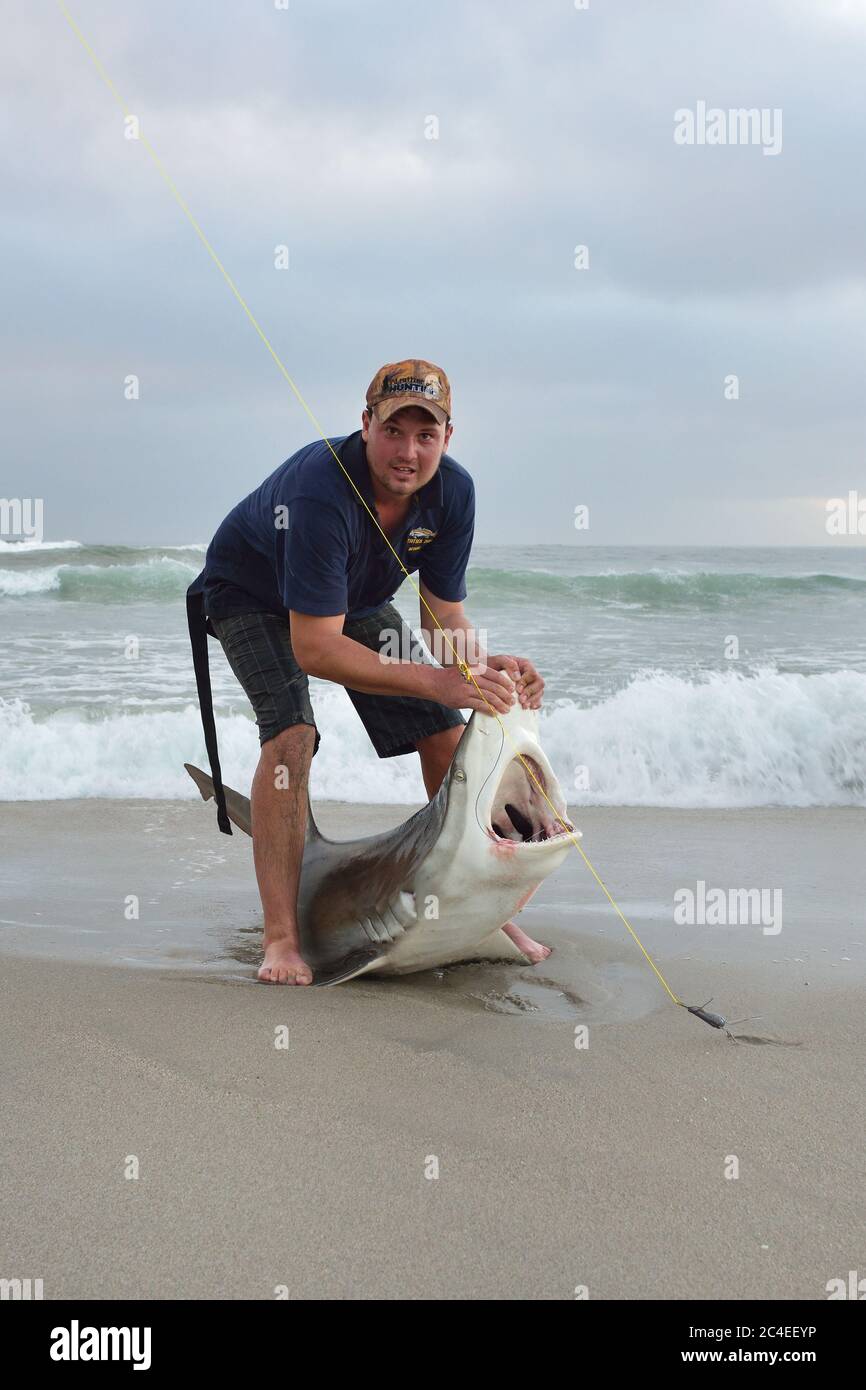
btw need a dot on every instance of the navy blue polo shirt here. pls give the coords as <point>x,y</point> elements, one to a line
<point>304,540</point>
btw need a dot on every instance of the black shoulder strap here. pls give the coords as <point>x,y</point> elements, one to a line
<point>195,616</point>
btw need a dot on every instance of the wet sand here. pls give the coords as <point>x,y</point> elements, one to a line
<point>307,1166</point>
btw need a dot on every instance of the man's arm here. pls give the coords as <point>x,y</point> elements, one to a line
<point>462,642</point>
<point>322,650</point>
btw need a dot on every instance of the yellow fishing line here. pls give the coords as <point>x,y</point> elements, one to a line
<point>462,666</point>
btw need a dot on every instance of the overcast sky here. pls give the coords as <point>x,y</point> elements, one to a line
<point>306,127</point>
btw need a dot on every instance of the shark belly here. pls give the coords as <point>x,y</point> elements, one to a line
<point>463,896</point>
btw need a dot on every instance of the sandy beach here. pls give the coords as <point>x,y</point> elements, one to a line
<point>306,1167</point>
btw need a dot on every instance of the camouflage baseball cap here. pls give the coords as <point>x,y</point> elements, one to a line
<point>412,382</point>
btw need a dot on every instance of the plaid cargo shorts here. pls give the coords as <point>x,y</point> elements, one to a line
<point>258,647</point>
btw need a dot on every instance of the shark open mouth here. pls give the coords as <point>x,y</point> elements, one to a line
<point>520,813</point>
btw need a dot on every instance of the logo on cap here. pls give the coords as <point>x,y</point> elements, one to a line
<point>398,385</point>
<point>412,377</point>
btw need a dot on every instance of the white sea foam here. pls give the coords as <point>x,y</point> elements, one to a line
<point>724,740</point>
<point>27,546</point>
<point>22,583</point>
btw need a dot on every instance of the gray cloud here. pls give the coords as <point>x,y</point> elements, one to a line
<point>556,128</point>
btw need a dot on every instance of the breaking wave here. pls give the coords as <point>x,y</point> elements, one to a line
<point>720,740</point>
<point>122,574</point>
<point>159,577</point>
<point>656,588</point>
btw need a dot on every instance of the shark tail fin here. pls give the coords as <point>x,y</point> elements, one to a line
<point>238,806</point>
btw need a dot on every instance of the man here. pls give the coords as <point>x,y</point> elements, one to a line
<point>298,582</point>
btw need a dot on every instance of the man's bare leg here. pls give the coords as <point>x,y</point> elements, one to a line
<point>531,948</point>
<point>436,753</point>
<point>279,821</point>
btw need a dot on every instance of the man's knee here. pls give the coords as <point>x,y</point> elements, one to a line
<point>292,747</point>
<point>441,744</point>
<point>436,752</point>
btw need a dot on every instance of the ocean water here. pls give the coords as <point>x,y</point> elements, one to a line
<point>675,677</point>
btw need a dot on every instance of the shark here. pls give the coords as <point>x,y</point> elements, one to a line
<point>437,889</point>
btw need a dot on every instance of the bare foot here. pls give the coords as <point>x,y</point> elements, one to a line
<point>533,949</point>
<point>284,965</point>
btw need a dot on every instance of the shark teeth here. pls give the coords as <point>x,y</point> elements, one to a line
<point>541,838</point>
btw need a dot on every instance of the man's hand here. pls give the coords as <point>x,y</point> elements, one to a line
<point>528,683</point>
<point>497,688</point>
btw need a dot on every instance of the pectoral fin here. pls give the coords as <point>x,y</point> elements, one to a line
<point>348,966</point>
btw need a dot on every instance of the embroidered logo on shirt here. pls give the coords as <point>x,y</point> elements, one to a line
<point>418,536</point>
